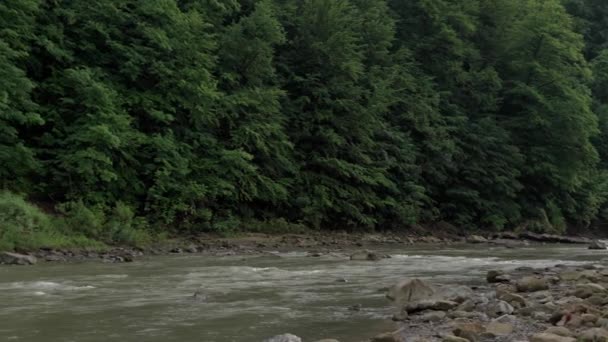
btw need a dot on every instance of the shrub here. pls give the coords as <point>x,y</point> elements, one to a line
<point>25,226</point>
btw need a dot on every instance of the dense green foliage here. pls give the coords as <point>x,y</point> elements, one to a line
<point>205,115</point>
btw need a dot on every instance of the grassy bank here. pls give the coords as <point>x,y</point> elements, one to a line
<point>24,226</point>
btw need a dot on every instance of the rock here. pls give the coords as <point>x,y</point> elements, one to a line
<point>469,331</point>
<point>541,316</point>
<point>284,338</point>
<point>597,244</point>
<point>452,338</point>
<point>561,331</point>
<point>515,300</point>
<point>589,319</point>
<point>176,250</point>
<point>497,277</point>
<point>506,319</point>
<point>594,335</point>
<point>602,323</point>
<point>386,337</point>
<point>327,340</point>
<point>545,337</point>
<point>476,239</point>
<point>467,305</point>
<point>458,294</point>
<point>495,328</point>
<point>365,256</point>
<point>467,314</point>
<point>500,308</point>
<point>570,275</point>
<point>598,300</point>
<point>430,304</point>
<point>531,284</point>
<point>571,321</point>
<point>17,259</point>
<point>433,316</point>
<point>192,249</point>
<point>596,288</point>
<point>553,238</point>
<point>54,258</point>
<point>410,290</point>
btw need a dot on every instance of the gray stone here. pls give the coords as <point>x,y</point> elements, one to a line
<point>458,294</point>
<point>495,276</point>
<point>466,306</point>
<point>545,337</point>
<point>515,300</point>
<point>410,290</point>
<point>495,328</point>
<point>531,284</point>
<point>500,308</point>
<point>561,331</point>
<point>17,259</point>
<point>598,245</point>
<point>476,239</point>
<point>594,335</point>
<point>433,316</point>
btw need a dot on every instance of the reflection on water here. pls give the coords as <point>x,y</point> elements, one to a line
<point>242,299</point>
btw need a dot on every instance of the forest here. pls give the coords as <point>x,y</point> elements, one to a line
<point>120,119</point>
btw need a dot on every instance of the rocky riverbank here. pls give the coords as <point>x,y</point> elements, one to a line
<point>314,243</point>
<point>556,304</point>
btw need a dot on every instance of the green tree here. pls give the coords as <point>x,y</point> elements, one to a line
<point>546,103</point>
<point>17,110</point>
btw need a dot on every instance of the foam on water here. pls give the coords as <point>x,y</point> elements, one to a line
<point>43,285</point>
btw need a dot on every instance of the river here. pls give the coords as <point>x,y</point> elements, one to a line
<point>243,298</point>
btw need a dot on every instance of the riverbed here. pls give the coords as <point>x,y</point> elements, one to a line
<point>240,298</point>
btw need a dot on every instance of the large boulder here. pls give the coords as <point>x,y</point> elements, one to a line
<point>284,338</point>
<point>532,284</point>
<point>9,258</point>
<point>596,244</point>
<point>546,337</point>
<point>410,290</point>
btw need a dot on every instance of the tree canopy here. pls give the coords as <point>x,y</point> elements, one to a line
<point>204,115</point>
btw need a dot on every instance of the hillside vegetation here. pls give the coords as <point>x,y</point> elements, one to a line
<point>125,117</point>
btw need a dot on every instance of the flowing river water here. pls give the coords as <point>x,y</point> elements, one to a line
<point>242,298</point>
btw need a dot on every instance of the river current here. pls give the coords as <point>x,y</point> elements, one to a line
<point>239,298</point>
